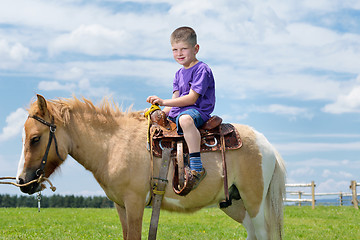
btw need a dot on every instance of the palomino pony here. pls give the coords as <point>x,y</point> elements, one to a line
<point>112,145</point>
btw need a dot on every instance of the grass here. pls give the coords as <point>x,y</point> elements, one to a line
<point>210,223</point>
<point>324,222</point>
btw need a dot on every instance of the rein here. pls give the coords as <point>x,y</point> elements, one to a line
<point>38,180</point>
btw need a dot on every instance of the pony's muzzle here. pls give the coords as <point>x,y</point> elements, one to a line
<point>31,188</point>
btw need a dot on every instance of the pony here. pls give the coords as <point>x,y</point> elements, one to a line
<point>112,144</point>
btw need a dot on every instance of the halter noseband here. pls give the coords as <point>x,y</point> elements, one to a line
<point>52,128</point>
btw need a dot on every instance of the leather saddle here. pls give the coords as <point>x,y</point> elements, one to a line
<point>215,136</point>
<point>164,135</point>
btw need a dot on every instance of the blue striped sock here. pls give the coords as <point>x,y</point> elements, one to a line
<point>195,161</point>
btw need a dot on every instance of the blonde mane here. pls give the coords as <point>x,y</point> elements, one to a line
<point>107,112</point>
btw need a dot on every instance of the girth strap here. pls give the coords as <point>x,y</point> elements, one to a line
<point>227,201</point>
<point>159,193</point>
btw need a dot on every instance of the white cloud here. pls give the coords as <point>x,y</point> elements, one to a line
<point>339,174</point>
<point>294,135</point>
<point>93,91</point>
<point>332,186</point>
<point>73,73</point>
<point>308,35</point>
<point>234,118</point>
<point>95,40</point>
<point>15,122</point>
<point>292,112</point>
<point>326,173</point>
<point>343,174</point>
<point>304,172</point>
<point>54,85</point>
<point>12,54</point>
<point>284,80</point>
<point>144,69</point>
<point>60,16</point>
<point>308,147</point>
<point>330,6</point>
<point>190,8</point>
<point>345,103</point>
<point>269,45</point>
<point>82,86</point>
<point>324,163</point>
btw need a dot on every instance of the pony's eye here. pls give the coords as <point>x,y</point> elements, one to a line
<point>34,140</point>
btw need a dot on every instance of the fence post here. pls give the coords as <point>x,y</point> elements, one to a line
<point>341,199</point>
<point>313,194</point>
<point>354,194</point>
<point>300,193</point>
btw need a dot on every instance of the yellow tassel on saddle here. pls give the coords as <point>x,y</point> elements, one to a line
<point>147,115</point>
<point>153,108</point>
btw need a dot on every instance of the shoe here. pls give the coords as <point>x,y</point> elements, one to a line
<point>198,176</point>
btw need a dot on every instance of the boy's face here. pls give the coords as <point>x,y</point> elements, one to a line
<point>184,53</point>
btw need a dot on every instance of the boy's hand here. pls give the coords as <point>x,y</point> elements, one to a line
<point>155,100</point>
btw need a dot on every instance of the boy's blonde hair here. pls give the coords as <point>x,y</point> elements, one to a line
<point>184,34</point>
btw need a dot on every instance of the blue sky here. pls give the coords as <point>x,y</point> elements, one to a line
<point>290,69</point>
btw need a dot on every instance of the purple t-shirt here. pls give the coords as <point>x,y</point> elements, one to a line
<point>200,79</point>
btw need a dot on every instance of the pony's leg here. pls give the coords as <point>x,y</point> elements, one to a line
<point>238,212</point>
<point>134,216</point>
<point>122,215</point>
<point>259,224</point>
<point>249,226</point>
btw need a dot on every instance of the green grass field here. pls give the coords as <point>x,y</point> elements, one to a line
<point>210,223</point>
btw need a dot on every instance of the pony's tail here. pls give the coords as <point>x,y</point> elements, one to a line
<point>274,199</point>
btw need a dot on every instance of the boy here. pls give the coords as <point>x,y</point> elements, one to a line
<point>193,98</point>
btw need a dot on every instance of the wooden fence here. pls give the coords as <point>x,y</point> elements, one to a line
<point>312,185</point>
<point>353,186</point>
<point>301,193</point>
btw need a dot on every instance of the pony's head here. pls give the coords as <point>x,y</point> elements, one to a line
<point>43,146</point>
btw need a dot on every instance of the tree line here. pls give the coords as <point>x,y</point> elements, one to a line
<point>55,201</point>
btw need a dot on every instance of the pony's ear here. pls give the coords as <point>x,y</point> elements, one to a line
<point>42,105</point>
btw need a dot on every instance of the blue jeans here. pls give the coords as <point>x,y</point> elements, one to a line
<point>198,121</point>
